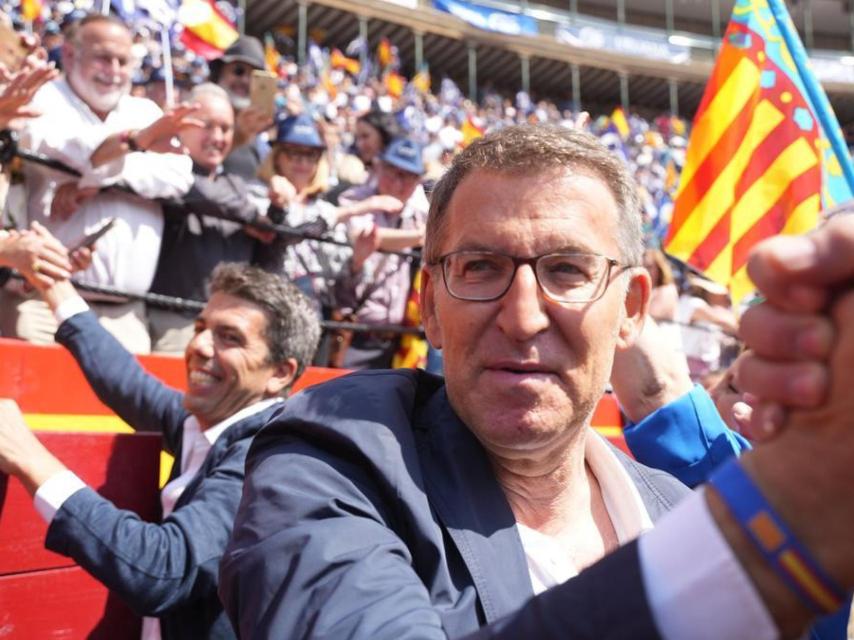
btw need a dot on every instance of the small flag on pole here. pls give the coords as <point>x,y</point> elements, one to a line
<point>765,153</point>
<point>618,119</point>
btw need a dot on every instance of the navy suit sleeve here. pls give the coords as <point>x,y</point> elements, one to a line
<point>687,438</point>
<point>154,567</point>
<point>119,381</point>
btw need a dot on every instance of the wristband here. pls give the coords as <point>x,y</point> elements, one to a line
<point>129,138</point>
<point>788,557</point>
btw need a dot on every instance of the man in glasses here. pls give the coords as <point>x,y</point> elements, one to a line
<point>233,72</point>
<point>395,502</point>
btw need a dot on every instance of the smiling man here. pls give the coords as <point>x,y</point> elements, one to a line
<point>79,111</point>
<point>252,341</point>
<point>196,238</point>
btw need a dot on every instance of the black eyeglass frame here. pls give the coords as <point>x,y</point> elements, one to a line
<point>442,262</point>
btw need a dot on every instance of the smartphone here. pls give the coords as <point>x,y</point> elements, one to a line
<point>91,238</point>
<point>263,86</point>
<point>12,49</point>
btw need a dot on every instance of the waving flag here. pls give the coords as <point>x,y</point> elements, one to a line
<point>339,61</point>
<point>384,53</point>
<point>207,31</point>
<point>765,154</point>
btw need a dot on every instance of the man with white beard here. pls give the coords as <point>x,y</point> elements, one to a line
<point>79,112</point>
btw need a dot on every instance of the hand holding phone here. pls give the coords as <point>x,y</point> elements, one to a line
<point>13,50</point>
<point>262,92</point>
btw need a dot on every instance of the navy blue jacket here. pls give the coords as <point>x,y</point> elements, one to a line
<point>371,511</point>
<point>167,569</point>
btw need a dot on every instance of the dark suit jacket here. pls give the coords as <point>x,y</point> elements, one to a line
<point>167,569</point>
<point>371,511</point>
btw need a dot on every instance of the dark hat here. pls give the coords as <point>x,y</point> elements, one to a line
<point>245,49</point>
<point>299,130</point>
<point>404,154</point>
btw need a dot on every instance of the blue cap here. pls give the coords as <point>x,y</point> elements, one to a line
<point>404,154</point>
<point>299,130</point>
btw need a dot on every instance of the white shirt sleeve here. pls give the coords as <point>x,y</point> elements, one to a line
<point>695,585</point>
<point>54,492</point>
<point>70,307</point>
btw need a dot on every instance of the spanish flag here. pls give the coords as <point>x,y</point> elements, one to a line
<point>338,60</point>
<point>31,10</point>
<point>421,81</point>
<point>412,351</point>
<point>384,54</point>
<point>394,84</point>
<point>471,131</point>
<point>207,31</point>
<point>271,54</point>
<point>618,119</point>
<point>765,154</point>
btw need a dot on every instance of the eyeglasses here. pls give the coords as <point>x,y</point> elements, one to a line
<point>240,69</point>
<point>302,153</point>
<point>483,276</point>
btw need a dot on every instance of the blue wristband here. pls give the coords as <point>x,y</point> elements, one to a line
<point>788,557</point>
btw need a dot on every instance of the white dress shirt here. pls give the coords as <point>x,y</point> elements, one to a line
<point>69,131</point>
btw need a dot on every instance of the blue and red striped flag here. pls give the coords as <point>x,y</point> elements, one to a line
<point>766,154</point>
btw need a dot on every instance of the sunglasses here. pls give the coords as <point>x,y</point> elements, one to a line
<point>240,70</point>
<point>304,153</point>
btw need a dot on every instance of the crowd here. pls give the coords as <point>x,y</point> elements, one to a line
<point>235,170</point>
<point>395,503</point>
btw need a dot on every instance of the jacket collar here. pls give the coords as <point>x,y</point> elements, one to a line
<point>471,505</point>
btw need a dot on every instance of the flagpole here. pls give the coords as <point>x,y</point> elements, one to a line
<point>168,76</point>
<point>818,98</point>
<point>105,7</point>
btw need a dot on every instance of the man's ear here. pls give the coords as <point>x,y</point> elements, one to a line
<point>428,309</point>
<point>636,307</point>
<point>284,373</point>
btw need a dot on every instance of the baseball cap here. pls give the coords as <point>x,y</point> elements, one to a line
<point>404,154</point>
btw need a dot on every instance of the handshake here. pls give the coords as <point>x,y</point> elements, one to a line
<point>800,365</point>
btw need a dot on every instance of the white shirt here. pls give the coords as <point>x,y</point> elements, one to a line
<point>548,563</point>
<point>195,445</point>
<point>69,131</point>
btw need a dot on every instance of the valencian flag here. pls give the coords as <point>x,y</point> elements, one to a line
<point>207,31</point>
<point>765,154</point>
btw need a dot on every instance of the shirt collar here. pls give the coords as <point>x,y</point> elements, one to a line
<point>215,431</point>
<point>622,499</point>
